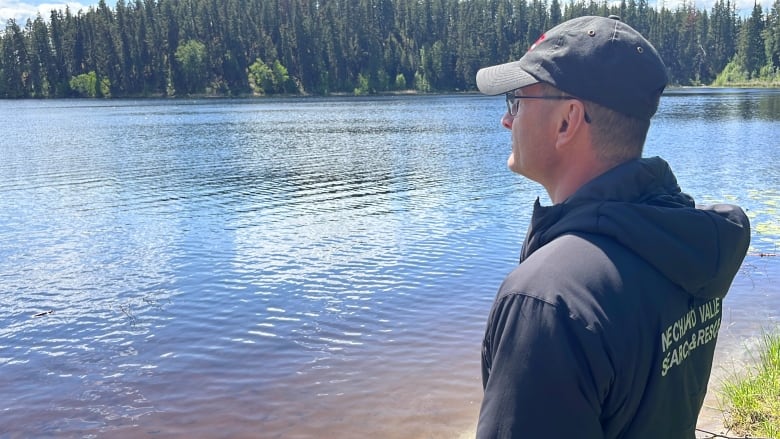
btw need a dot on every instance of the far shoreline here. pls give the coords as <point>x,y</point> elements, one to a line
<point>346,94</point>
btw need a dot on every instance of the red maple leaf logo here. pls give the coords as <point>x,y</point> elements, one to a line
<point>533,46</point>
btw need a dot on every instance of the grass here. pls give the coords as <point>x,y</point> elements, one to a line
<point>753,401</point>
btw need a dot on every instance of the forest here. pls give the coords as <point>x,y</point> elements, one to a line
<point>159,48</point>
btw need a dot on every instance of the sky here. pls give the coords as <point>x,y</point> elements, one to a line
<point>21,10</point>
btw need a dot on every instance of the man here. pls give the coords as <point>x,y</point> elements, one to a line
<point>607,328</point>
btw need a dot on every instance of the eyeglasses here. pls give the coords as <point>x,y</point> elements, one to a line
<point>513,102</point>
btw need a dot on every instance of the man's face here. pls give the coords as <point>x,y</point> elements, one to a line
<point>533,134</point>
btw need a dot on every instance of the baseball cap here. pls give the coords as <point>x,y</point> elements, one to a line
<point>599,59</point>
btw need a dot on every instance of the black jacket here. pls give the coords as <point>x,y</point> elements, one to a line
<point>607,328</point>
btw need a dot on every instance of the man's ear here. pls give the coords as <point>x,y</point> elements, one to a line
<point>572,121</point>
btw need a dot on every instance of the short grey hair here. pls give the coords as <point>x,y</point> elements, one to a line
<point>615,136</point>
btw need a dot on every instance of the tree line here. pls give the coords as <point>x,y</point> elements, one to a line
<point>241,47</point>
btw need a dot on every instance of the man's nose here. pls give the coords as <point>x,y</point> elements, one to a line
<point>507,120</point>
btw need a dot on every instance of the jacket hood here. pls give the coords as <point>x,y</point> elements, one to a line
<point>640,205</point>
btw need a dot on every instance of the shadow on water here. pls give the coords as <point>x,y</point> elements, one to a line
<point>723,104</point>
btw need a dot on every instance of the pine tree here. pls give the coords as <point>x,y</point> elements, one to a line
<point>750,51</point>
<point>772,36</point>
<point>15,62</point>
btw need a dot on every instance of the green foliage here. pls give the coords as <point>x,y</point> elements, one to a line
<point>166,47</point>
<point>421,82</point>
<point>733,73</point>
<point>754,400</point>
<point>281,77</point>
<point>400,82</point>
<point>362,88</point>
<point>192,67</point>
<point>260,77</point>
<point>265,79</point>
<point>105,87</point>
<point>85,85</point>
<point>769,75</point>
<point>382,81</point>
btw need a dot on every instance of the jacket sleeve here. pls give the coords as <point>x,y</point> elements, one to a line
<point>537,373</point>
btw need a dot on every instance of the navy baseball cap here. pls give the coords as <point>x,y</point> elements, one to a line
<point>598,59</point>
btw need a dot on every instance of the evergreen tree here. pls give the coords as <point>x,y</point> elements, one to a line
<point>164,47</point>
<point>42,68</point>
<point>15,62</point>
<point>750,51</point>
<point>772,36</point>
<point>520,41</point>
<point>720,45</point>
<point>556,15</point>
<point>59,75</point>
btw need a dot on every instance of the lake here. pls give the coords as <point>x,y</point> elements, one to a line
<point>300,267</point>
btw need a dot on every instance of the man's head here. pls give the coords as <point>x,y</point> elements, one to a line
<point>597,59</point>
<point>587,90</point>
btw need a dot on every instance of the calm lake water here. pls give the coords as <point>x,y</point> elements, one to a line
<point>297,268</point>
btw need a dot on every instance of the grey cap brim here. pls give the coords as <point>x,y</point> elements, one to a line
<point>503,78</point>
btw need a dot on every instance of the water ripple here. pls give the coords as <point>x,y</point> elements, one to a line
<point>300,267</point>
